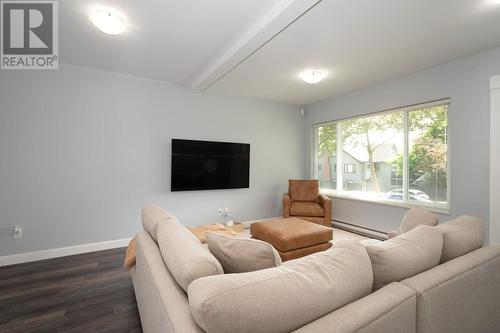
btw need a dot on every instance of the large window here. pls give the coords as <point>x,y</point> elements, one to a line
<point>398,156</point>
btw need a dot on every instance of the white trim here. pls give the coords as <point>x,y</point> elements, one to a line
<point>406,108</point>
<point>62,252</point>
<point>272,24</point>
<point>406,153</point>
<point>449,126</point>
<point>495,82</point>
<point>430,207</point>
<point>359,230</point>
<point>339,174</point>
<point>494,234</point>
<point>314,151</point>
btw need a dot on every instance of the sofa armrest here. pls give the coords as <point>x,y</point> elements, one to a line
<point>163,305</point>
<point>466,288</point>
<point>392,234</point>
<point>389,309</point>
<point>286,205</point>
<point>326,203</point>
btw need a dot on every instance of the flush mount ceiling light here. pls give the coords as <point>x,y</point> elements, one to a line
<point>108,23</point>
<point>312,76</point>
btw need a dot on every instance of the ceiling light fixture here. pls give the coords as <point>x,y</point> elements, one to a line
<point>312,76</point>
<point>108,23</point>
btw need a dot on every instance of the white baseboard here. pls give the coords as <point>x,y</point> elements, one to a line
<point>360,230</point>
<point>62,252</point>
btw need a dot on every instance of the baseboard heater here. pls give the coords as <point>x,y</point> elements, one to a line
<point>360,230</point>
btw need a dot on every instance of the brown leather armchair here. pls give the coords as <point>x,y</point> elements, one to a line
<point>304,201</point>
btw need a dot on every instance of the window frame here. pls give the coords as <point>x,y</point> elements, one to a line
<point>406,202</point>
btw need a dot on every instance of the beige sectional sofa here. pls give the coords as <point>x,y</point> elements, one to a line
<point>331,291</point>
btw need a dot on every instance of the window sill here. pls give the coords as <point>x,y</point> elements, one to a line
<point>440,210</point>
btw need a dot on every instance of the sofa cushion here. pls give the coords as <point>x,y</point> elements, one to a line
<point>284,298</point>
<point>304,190</point>
<point>405,255</point>
<point>186,258</point>
<point>151,216</point>
<point>417,216</point>
<point>460,236</point>
<point>302,208</point>
<point>239,255</point>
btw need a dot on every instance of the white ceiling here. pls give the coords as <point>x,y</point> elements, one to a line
<point>166,40</point>
<point>228,45</point>
<point>363,42</point>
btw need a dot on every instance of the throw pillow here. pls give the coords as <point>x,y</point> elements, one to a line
<point>238,255</point>
<point>417,216</point>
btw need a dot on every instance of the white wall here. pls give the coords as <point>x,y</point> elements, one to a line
<point>495,160</point>
<point>466,82</point>
<point>83,150</point>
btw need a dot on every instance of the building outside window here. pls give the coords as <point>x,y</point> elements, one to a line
<point>398,156</point>
<point>349,168</point>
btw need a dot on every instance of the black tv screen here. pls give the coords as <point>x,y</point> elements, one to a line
<point>208,165</point>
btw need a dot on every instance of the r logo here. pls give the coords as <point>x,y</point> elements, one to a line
<point>27,28</point>
<point>29,36</point>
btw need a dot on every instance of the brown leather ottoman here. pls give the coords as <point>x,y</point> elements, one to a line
<point>293,237</point>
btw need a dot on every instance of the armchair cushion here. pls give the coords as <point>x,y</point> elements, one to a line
<point>303,190</point>
<point>286,205</point>
<point>326,203</point>
<point>324,221</point>
<point>301,208</point>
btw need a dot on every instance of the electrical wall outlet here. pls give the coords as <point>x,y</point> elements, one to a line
<point>17,233</point>
<point>223,211</point>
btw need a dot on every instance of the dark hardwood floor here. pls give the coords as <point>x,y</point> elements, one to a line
<point>82,293</point>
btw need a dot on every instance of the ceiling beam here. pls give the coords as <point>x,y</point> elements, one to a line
<point>277,19</point>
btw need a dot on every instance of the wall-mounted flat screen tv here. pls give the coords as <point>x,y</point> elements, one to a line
<point>208,165</point>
